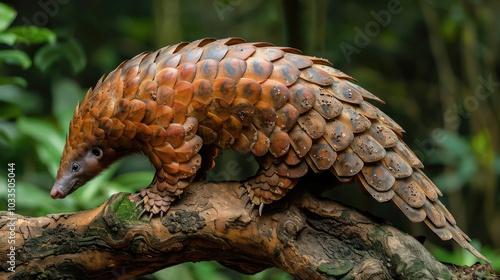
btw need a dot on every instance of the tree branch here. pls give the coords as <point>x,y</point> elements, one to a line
<point>309,237</point>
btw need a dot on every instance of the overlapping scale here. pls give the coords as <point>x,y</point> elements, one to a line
<point>301,97</point>
<point>258,69</point>
<point>378,177</point>
<point>410,192</point>
<point>367,148</point>
<point>241,51</point>
<point>343,90</point>
<point>264,117</point>
<point>300,141</point>
<point>347,164</point>
<point>261,145</point>
<point>355,121</point>
<point>206,69</point>
<point>232,68</point>
<point>327,105</point>
<point>279,142</point>
<point>188,149</point>
<point>274,93</point>
<point>386,137</point>
<point>285,73</point>
<point>338,135</point>
<point>202,91</point>
<point>149,112</point>
<point>215,52</point>
<point>380,196</point>
<point>192,55</point>
<point>313,124</point>
<point>316,76</point>
<point>414,214</point>
<point>175,134</point>
<point>137,110</point>
<point>299,61</point>
<point>286,117</point>
<point>407,154</point>
<point>322,155</point>
<point>269,54</point>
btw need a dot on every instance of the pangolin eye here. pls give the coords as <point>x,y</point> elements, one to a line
<point>96,151</point>
<point>75,167</point>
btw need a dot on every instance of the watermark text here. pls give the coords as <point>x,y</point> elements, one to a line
<point>11,208</point>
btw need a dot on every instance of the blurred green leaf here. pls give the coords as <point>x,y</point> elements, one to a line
<point>75,55</point>
<point>206,270</point>
<point>31,197</point>
<point>65,96</point>
<point>483,148</point>
<point>454,151</point>
<point>464,257</point>
<point>8,110</point>
<point>98,189</point>
<point>27,101</point>
<point>8,39</point>
<point>71,51</point>
<point>13,81</point>
<point>32,34</point>
<point>49,141</point>
<point>135,180</point>
<point>181,271</point>
<point>449,28</point>
<point>46,56</point>
<point>15,57</point>
<point>8,131</point>
<point>7,16</point>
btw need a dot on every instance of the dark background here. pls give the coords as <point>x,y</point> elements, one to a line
<point>435,63</point>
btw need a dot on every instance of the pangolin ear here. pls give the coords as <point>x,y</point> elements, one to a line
<point>97,152</point>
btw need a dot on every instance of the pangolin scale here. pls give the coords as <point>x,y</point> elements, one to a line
<point>294,113</point>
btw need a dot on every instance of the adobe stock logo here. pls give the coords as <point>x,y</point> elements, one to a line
<point>363,37</point>
<point>48,10</point>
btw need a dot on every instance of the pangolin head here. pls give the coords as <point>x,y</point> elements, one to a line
<point>86,153</point>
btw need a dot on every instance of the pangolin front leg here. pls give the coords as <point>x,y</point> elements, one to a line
<point>176,161</point>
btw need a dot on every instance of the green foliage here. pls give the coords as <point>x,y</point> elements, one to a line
<point>15,57</point>
<point>213,270</point>
<point>455,152</point>
<point>31,35</point>
<point>16,35</point>
<point>70,51</point>
<point>463,257</point>
<point>7,15</point>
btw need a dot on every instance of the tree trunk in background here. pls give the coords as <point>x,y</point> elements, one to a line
<point>305,24</point>
<point>308,237</point>
<point>465,93</point>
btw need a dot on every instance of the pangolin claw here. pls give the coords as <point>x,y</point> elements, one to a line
<point>139,203</point>
<point>142,213</point>
<point>261,207</point>
<point>244,192</point>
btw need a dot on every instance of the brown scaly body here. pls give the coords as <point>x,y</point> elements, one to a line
<point>293,112</point>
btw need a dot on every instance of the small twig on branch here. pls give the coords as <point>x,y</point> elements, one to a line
<point>308,237</point>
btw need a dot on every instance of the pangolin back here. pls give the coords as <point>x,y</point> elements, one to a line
<point>293,112</point>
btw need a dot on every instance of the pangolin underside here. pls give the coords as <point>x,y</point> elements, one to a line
<point>295,113</point>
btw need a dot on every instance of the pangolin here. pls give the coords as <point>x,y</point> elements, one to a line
<point>294,113</point>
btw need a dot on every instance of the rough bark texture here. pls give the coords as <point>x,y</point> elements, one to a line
<point>309,237</point>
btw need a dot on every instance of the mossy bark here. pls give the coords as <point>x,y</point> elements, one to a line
<point>309,237</point>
